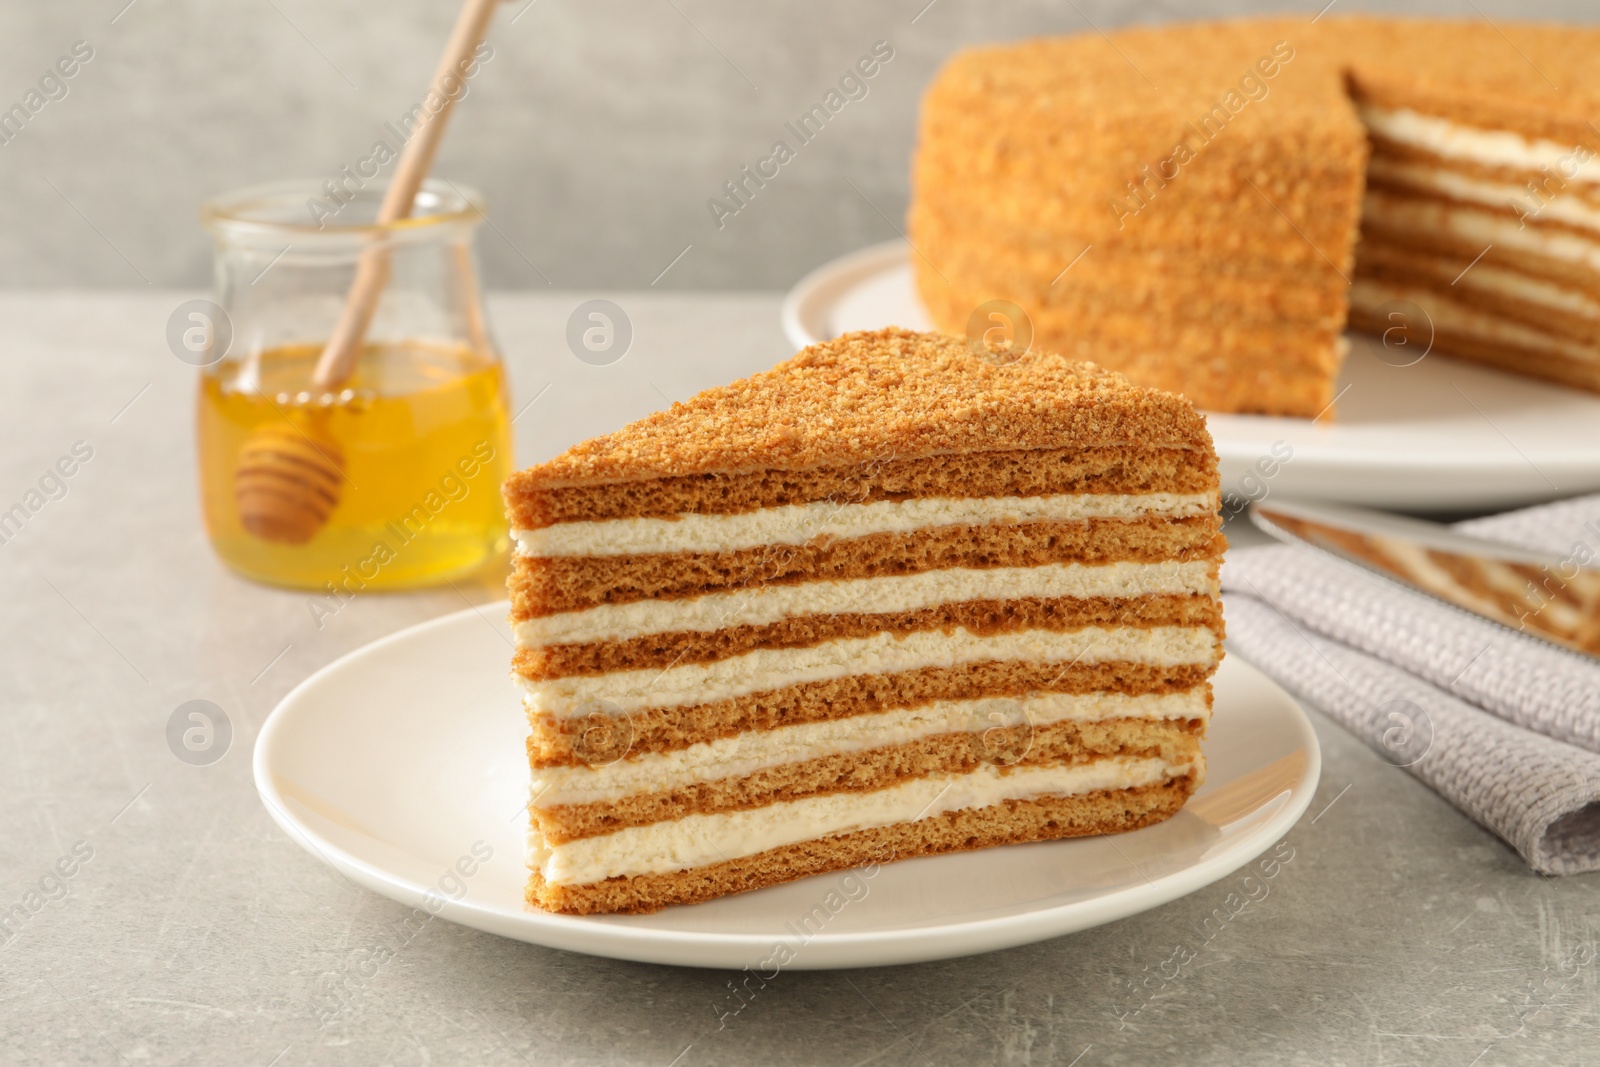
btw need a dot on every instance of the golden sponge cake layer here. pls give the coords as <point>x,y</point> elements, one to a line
<point>1483,243</point>
<point>594,773</point>
<point>702,839</point>
<point>1542,304</point>
<point>1102,470</point>
<point>545,586</point>
<point>1471,333</point>
<point>979,617</point>
<point>1046,818</point>
<point>875,396</point>
<point>605,734</point>
<point>776,603</point>
<point>1176,743</point>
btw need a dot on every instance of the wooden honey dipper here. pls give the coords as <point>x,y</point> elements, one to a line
<point>290,475</point>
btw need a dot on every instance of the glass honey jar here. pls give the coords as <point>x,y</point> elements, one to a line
<point>389,478</point>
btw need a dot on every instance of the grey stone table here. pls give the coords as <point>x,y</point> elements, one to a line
<point>176,923</point>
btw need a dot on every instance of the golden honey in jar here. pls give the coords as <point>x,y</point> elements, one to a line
<point>423,436</point>
<point>390,479</point>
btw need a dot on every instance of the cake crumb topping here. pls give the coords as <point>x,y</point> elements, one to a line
<point>868,395</point>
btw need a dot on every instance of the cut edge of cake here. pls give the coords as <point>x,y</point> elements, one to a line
<point>864,397</point>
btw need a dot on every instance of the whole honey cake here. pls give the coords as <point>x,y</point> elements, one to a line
<point>1205,207</point>
<point>887,599</point>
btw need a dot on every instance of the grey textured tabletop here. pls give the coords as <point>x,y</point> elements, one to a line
<point>192,930</point>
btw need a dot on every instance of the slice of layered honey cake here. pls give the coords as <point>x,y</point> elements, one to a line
<point>884,600</point>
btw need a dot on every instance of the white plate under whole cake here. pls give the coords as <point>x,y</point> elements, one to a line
<point>402,766</point>
<point>1435,435</point>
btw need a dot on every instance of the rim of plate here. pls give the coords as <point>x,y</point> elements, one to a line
<point>731,951</point>
<point>816,292</point>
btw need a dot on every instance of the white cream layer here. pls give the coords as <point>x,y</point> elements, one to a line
<point>1476,226</point>
<point>886,653</point>
<point>1555,207</point>
<point>758,750</point>
<point>763,604</point>
<point>795,524</point>
<point>1465,321</point>
<point>701,840</point>
<point>1530,290</point>
<point>1489,148</point>
<point>1524,288</point>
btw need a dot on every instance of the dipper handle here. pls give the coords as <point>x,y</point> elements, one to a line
<point>416,159</point>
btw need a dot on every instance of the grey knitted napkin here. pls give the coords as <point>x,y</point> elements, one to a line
<point>1504,726</point>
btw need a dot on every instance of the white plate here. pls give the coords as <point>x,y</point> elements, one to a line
<point>1438,435</point>
<point>396,761</point>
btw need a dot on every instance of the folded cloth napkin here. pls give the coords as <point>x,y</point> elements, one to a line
<point>1504,726</point>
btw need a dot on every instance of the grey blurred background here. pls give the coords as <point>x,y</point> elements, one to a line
<point>598,130</point>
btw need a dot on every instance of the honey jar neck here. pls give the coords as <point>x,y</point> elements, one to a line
<point>284,265</point>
